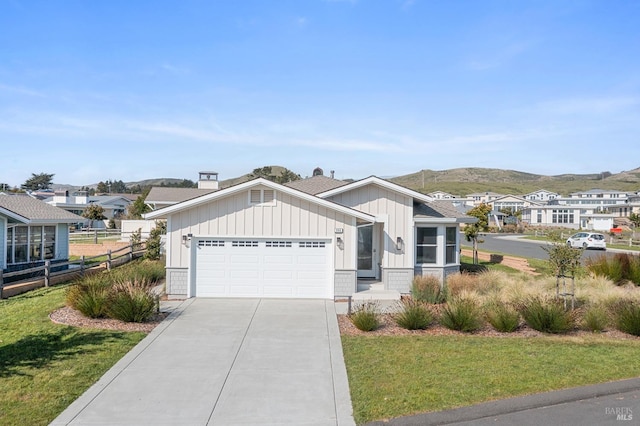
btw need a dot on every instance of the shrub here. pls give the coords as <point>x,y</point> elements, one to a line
<point>428,288</point>
<point>462,315</point>
<point>462,282</point>
<point>547,316</point>
<point>619,268</point>
<point>503,318</point>
<point>364,317</point>
<point>626,316</point>
<point>89,296</point>
<point>413,316</point>
<point>132,301</point>
<point>595,318</point>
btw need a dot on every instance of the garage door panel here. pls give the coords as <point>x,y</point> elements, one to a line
<point>311,260</point>
<point>270,259</point>
<point>274,268</point>
<point>278,291</point>
<point>278,275</point>
<point>244,259</point>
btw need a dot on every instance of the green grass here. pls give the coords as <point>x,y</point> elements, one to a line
<point>45,366</point>
<point>489,265</point>
<point>393,376</point>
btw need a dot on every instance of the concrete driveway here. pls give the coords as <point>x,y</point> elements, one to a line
<point>227,362</point>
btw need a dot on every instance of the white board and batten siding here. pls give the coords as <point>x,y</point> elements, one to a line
<point>234,218</point>
<point>376,200</point>
<point>263,267</point>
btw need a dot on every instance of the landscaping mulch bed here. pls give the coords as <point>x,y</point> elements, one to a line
<point>388,327</point>
<point>69,316</point>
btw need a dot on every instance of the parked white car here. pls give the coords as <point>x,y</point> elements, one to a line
<point>587,240</point>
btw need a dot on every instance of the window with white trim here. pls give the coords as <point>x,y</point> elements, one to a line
<point>278,244</point>
<point>426,245</point>
<point>210,243</point>
<point>30,243</point>
<point>243,243</point>
<point>262,197</point>
<point>311,244</point>
<point>451,252</point>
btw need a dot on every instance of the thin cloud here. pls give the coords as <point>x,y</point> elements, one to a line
<point>21,91</point>
<point>500,57</point>
<point>595,105</point>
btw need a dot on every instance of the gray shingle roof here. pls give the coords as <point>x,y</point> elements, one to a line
<point>35,211</point>
<point>316,184</point>
<point>437,209</point>
<point>169,195</point>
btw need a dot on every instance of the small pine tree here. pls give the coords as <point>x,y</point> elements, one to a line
<point>154,245</point>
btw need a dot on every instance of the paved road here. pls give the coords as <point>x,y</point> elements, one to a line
<point>517,246</point>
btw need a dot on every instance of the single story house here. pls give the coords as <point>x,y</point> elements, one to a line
<point>312,238</point>
<point>32,231</point>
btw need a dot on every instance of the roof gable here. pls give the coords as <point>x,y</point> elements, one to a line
<point>204,199</point>
<point>374,180</point>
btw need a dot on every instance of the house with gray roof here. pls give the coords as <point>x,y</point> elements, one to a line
<point>313,238</point>
<point>32,231</point>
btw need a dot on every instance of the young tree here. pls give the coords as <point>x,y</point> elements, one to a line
<point>472,230</point>
<point>287,175</point>
<point>635,219</point>
<point>38,181</point>
<point>93,212</point>
<point>154,246</point>
<point>138,208</point>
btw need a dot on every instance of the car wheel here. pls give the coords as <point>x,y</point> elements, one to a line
<point>584,246</point>
<point>569,244</point>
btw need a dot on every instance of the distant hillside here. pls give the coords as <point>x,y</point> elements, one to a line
<point>463,181</point>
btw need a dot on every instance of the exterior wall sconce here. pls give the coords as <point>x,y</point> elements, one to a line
<point>399,244</point>
<point>340,243</point>
<point>186,238</point>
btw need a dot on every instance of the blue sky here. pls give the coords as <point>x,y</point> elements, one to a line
<point>133,90</point>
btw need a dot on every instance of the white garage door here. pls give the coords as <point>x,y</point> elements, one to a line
<point>263,268</point>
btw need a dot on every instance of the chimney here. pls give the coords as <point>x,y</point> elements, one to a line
<point>208,180</point>
<point>332,173</point>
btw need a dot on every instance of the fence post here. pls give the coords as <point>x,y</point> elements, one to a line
<point>108,260</point>
<point>82,265</point>
<point>130,251</point>
<point>47,272</point>
<point>630,242</point>
<point>1,284</point>
<point>95,236</point>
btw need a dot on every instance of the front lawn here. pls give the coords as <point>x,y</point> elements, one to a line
<point>45,366</point>
<point>392,376</point>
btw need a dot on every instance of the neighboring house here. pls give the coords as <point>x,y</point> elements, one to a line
<point>441,195</point>
<point>478,198</point>
<point>510,201</point>
<point>114,205</point>
<point>568,216</point>
<point>164,196</point>
<point>541,196</point>
<point>624,210</point>
<point>602,194</point>
<point>32,231</point>
<point>313,238</point>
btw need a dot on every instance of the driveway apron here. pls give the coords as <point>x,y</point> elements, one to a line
<point>227,362</point>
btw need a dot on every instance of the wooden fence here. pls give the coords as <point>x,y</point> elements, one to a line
<point>45,276</point>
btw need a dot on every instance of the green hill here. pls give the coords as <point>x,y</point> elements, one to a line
<point>463,181</point>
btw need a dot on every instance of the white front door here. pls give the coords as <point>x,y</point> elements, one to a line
<point>368,251</point>
<point>246,267</point>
